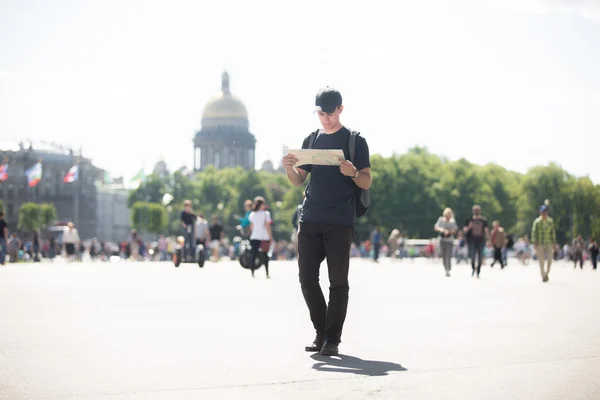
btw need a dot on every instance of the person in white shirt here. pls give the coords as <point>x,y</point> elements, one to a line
<point>261,235</point>
<point>70,241</point>
<point>202,231</point>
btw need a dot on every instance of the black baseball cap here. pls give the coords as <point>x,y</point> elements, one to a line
<point>328,99</point>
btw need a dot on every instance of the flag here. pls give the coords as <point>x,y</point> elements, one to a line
<point>3,172</point>
<point>138,179</point>
<point>72,175</point>
<point>34,174</point>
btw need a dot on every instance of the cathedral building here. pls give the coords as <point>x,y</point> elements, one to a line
<point>224,139</point>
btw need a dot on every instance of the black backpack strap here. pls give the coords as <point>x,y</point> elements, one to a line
<point>352,145</point>
<point>312,137</point>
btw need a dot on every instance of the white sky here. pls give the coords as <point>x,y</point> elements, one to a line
<point>515,82</point>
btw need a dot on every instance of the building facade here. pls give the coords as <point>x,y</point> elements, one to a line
<point>224,139</point>
<point>74,202</point>
<point>113,217</point>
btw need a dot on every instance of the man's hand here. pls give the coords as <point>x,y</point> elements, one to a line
<point>289,161</point>
<point>347,168</point>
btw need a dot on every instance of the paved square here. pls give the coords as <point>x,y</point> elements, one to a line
<point>151,331</point>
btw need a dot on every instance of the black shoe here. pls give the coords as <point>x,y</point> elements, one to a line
<point>316,345</point>
<point>330,349</point>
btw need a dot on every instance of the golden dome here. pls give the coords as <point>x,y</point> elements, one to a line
<point>224,105</point>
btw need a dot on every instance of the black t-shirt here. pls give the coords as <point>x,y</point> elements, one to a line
<point>3,225</point>
<point>215,231</point>
<point>330,195</point>
<point>477,232</point>
<point>188,218</point>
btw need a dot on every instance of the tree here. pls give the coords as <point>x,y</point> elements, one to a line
<point>181,187</point>
<point>586,208</point>
<point>409,192</point>
<point>152,190</point>
<point>47,214</point>
<point>546,182</point>
<point>29,217</point>
<point>34,216</point>
<point>149,217</point>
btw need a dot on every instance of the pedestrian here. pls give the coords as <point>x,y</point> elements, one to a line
<point>447,227</point>
<point>36,245</point>
<point>3,238</point>
<point>544,238</point>
<point>245,221</point>
<point>52,249</point>
<point>217,236</point>
<point>376,240</point>
<point>14,245</point>
<point>261,234</point>
<point>202,232</point>
<point>187,221</point>
<point>498,243</point>
<point>393,245</point>
<point>578,246</point>
<point>476,231</point>
<point>594,251</point>
<point>328,217</point>
<point>71,241</point>
<point>508,244</point>
<point>135,245</point>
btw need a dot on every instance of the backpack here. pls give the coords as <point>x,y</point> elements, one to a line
<point>362,197</point>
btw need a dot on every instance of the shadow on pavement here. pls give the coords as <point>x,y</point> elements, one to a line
<point>354,365</point>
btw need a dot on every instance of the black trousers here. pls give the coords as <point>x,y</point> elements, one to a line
<point>594,257</point>
<point>264,257</point>
<point>317,242</point>
<point>498,256</point>
<point>376,251</point>
<point>579,257</point>
<point>476,250</point>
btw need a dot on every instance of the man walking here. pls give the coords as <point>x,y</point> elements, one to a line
<point>578,246</point>
<point>544,238</point>
<point>3,238</point>
<point>476,232</point>
<point>327,219</point>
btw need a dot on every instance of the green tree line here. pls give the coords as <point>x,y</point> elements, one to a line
<point>34,216</point>
<point>409,192</point>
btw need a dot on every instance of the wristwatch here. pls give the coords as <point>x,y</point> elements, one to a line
<point>356,174</point>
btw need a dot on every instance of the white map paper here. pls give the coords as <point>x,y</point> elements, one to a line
<point>318,157</point>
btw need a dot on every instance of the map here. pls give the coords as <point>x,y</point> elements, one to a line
<point>318,157</point>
